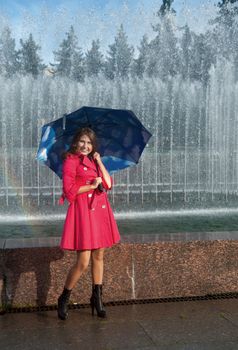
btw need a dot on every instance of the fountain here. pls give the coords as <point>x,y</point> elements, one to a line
<point>180,199</point>
<point>191,161</point>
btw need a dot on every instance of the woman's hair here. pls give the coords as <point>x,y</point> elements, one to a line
<point>74,145</point>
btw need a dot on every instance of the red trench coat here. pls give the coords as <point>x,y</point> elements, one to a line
<point>89,222</point>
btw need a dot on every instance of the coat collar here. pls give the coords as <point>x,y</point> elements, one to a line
<point>86,161</point>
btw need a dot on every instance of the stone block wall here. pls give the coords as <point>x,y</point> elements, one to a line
<point>141,269</point>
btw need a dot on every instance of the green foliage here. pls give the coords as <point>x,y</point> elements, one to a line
<point>167,54</point>
<point>197,56</point>
<point>69,58</point>
<point>120,57</point>
<point>9,57</point>
<point>140,64</point>
<point>164,58</point>
<point>225,31</point>
<point>94,59</point>
<point>30,61</point>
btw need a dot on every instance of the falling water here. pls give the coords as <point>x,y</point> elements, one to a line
<point>191,160</point>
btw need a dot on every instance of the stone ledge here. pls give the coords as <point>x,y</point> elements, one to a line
<point>35,276</point>
<point>13,243</point>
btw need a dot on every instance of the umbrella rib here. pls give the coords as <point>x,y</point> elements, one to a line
<point>121,136</point>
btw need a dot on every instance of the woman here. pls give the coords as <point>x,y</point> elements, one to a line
<point>89,226</point>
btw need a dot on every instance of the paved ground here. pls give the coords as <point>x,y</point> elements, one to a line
<point>190,325</point>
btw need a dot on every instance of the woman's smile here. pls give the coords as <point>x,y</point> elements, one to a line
<point>85,145</point>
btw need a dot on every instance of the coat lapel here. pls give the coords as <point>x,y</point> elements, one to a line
<point>87,162</point>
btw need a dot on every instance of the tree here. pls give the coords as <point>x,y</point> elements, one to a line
<point>78,67</point>
<point>186,53</point>
<point>69,58</point>
<point>225,31</point>
<point>9,60</point>
<point>228,10</point>
<point>30,61</point>
<point>202,57</point>
<point>120,57</point>
<point>164,58</point>
<point>140,64</point>
<point>94,59</point>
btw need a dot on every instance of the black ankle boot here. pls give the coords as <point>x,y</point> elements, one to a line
<point>63,301</point>
<point>96,301</point>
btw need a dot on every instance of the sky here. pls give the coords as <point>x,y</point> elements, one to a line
<point>48,21</point>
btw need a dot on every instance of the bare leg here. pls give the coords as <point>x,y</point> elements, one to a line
<point>81,265</point>
<point>97,265</point>
<point>74,274</point>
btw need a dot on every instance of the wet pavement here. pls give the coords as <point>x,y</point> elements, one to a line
<point>187,325</point>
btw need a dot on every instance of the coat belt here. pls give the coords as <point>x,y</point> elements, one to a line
<point>95,195</point>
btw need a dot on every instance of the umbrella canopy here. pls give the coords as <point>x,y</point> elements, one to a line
<point>121,137</point>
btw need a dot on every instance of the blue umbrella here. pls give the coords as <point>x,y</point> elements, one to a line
<point>121,137</point>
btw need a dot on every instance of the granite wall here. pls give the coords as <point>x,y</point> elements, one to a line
<point>32,272</point>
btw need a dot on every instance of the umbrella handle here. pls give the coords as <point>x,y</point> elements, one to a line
<point>100,186</point>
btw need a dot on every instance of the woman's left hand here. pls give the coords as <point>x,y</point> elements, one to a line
<point>97,157</point>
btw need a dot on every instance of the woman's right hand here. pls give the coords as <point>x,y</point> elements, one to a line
<point>96,182</point>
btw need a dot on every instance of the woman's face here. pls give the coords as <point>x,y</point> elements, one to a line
<point>85,145</point>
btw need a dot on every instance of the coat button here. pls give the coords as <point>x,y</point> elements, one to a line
<point>103,206</point>
<point>90,195</point>
<point>85,168</point>
<point>93,209</point>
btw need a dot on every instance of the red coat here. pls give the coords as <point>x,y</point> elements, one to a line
<point>89,222</point>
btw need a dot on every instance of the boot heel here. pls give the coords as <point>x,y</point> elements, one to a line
<point>96,301</point>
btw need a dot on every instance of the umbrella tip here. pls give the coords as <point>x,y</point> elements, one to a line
<point>64,121</point>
